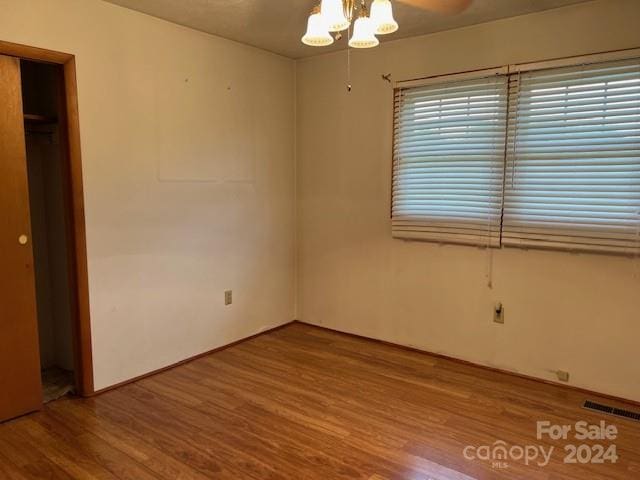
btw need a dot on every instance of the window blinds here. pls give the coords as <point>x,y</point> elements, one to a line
<point>449,142</point>
<point>573,158</point>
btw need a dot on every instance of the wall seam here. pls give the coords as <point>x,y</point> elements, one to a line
<point>296,215</point>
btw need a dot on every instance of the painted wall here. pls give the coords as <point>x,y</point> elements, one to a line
<point>575,312</point>
<point>187,144</point>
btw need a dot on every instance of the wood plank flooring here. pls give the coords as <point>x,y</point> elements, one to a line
<point>306,403</point>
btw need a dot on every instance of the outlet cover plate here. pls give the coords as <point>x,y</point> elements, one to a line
<point>498,314</point>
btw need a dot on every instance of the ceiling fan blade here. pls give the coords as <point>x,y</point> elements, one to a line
<point>440,6</point>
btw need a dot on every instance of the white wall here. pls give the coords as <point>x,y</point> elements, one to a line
<point>187,144</point>
<point>579,313</point>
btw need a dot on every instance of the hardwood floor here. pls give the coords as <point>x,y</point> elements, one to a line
<point>306,403</point>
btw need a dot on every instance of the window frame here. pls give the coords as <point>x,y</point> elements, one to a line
<point>508,71</point>
<point>493,229</point>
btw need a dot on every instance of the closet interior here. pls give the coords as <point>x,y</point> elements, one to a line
<point>42,94</point>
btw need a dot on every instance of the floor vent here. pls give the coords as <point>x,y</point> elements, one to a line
<point>618,412</point>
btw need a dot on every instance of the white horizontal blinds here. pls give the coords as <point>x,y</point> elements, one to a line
<point>448,161</point>
<point>573,158</point>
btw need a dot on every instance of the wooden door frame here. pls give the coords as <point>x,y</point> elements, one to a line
<point>81,320</point>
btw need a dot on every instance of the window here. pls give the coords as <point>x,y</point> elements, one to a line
<point>560,170</point>
<point>448,161</point>
<point>573,158</point>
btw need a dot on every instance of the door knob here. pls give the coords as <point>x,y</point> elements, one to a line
<point>23,239</point>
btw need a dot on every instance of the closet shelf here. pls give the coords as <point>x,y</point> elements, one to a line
<point>41,119</point>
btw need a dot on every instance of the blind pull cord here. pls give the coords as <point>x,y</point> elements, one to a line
<point>637,254</point>
<point>514,149</point>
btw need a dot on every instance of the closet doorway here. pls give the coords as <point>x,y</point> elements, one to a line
<point>45,346</point>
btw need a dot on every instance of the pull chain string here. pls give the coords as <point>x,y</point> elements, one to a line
<point>348,59</point>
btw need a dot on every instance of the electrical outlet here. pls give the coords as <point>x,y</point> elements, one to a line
<point>498,313</point>
<point>562,375</point>
<point>228,297</point>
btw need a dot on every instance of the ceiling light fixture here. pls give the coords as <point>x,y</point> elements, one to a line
<point>363,31</point>
<point>337,15</point>
<point>334,16</point>
<point>382,17</point>
<point>317,34</point>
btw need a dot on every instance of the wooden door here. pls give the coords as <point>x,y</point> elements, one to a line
<point>20,383</point>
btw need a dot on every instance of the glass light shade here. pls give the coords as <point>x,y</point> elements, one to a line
<point>333,13</point>
<point>363,36</point>
<point>317,34</point>
<point>382,17</point>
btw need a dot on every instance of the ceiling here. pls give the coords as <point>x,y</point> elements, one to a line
<point>278,25</point>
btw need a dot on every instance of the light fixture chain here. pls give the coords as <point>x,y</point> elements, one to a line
<point>348,59</point>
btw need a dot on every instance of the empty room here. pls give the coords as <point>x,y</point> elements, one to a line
<point>320,239</point>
